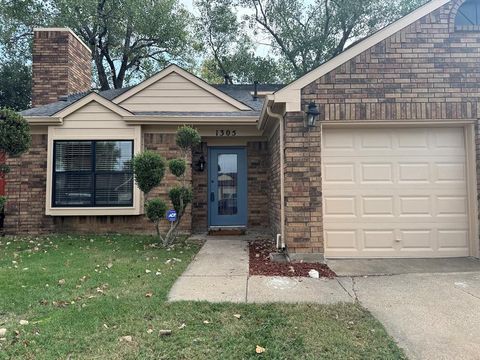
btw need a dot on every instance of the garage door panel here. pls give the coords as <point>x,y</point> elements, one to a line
<point>378,240</point>
<point>340,206</point>
<point>378,206</point>
<point>395,193</point>
<point>376,173</point>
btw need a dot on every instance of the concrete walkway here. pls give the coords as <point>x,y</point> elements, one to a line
<point>220,273</point>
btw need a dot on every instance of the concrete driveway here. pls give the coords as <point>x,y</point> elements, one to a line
<point>432,316</point>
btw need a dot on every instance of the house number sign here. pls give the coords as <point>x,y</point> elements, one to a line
<point>225,132</point>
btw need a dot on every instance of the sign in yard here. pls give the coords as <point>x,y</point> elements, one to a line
<point>171,215</point>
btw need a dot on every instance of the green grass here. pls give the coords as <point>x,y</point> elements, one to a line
<point>103,298</point>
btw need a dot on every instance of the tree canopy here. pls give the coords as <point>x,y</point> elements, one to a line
<point>129,39</point>
<point>239,40</point>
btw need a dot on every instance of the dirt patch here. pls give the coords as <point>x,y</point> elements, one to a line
<point>261,264</point>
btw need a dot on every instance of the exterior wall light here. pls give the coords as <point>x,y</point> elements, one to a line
<point>311,115</point>
<point>201,164</point>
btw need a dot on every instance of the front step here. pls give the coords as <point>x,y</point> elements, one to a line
<point>227,231</point>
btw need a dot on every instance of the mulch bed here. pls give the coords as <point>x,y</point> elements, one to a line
<point>261,264</point>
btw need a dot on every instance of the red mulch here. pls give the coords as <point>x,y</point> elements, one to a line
<point>260,263</point>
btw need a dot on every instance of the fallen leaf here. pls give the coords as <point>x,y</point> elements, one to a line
<point>148,271</point>
<point>206,322</point>
<point>150,331</point>
<point>127,338</point>
<point>182,326</point>
<point>61,282</point>
<point>23,322</point>
<point>260,350</point>
<point>3,332</point>
<point>149,294</point>
<point>158,273</point>
<point>165,332</point>
<point>238,316</point>
<point>109,265</point>
<point>105,326</point>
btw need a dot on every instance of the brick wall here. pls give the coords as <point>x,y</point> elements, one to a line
<point>61,66</point>
<point>26,186</point>
<point>426,71</point>
<point>200,191</point>
<point>274,183</point>
<point>25,189</point>
<point>258,185</point>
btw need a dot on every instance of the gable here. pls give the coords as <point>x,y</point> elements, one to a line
<point>93,115</point>
<point>428,70</point>
<point>174,90</point>
<point>291,94</point>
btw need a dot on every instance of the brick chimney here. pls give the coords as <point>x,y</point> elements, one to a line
<point>62,65</point>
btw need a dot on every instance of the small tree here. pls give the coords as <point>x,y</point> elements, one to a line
<point>149,169</point>
<point>15,139</point>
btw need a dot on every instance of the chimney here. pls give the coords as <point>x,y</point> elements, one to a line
<point>62,65</point>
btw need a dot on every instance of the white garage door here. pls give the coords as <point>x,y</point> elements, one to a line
<point>398,192</point>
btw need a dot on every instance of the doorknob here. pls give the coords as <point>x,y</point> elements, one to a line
<point>212,196</point>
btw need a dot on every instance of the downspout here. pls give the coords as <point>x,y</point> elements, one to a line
<point>281,242</point>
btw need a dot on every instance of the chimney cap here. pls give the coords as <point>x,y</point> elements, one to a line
<point>64,29</point>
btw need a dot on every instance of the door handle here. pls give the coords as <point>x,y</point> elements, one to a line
<point>212,196</point>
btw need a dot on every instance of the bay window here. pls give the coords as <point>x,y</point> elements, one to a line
<point>92,174</point>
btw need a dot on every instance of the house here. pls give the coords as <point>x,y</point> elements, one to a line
<point>373,154</point>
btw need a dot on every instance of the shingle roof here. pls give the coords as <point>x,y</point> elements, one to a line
<point>240,93</point>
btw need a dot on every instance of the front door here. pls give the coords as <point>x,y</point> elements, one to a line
<point>227,175</point>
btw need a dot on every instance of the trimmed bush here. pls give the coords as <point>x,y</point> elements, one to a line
<point>177,167</point>
<point>187,137</point>
<point>155,209</point>
<point>149,169</point>
<point>180,197</point>
<point>15,136</point>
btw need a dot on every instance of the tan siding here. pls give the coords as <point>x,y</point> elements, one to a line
<point>175,93</point>
<point>95,116</point>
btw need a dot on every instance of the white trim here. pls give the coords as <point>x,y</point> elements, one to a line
<point>87,100</point>
<point>190,119</point>
<point>59,29</point>
<point>134,133</point>
<point>43,120</point>
<point>185,74</point>
<point>291,94</point>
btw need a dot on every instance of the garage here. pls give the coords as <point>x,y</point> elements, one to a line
<point>396,192</point>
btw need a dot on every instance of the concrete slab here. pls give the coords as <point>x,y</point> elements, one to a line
<point>209,288</point>
<point>363,267</point>
<point>432,316</point>
<point>264,289</point>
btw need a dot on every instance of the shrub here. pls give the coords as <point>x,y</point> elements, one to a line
<point>180,197</point>
<point>187,137</point>
<point>149,169</point>
<point>15,136</point>
<point>177,167</point>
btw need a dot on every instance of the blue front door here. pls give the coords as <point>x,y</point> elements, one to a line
<point>227,185</point>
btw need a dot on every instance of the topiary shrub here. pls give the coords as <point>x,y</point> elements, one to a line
<point>187,137</point>
<point>15,138</point>
<point>155,210</point>
<point>180,197</point>
<point>149,170</point>
<point>177,167</point>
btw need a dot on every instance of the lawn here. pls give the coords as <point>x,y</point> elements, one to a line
<point>82,295</point>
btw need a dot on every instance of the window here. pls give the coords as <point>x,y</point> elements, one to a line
<point>93,174</point>
<point>468,15</point>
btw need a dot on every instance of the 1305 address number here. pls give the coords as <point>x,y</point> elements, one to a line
<point>226,133</point>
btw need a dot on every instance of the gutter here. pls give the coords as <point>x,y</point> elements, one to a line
<point>280,237</point>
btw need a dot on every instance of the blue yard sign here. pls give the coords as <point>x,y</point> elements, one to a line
<point>171,215</point>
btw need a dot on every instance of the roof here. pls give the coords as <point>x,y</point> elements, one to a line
<point>291,94</point>
<point>241,93</point>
